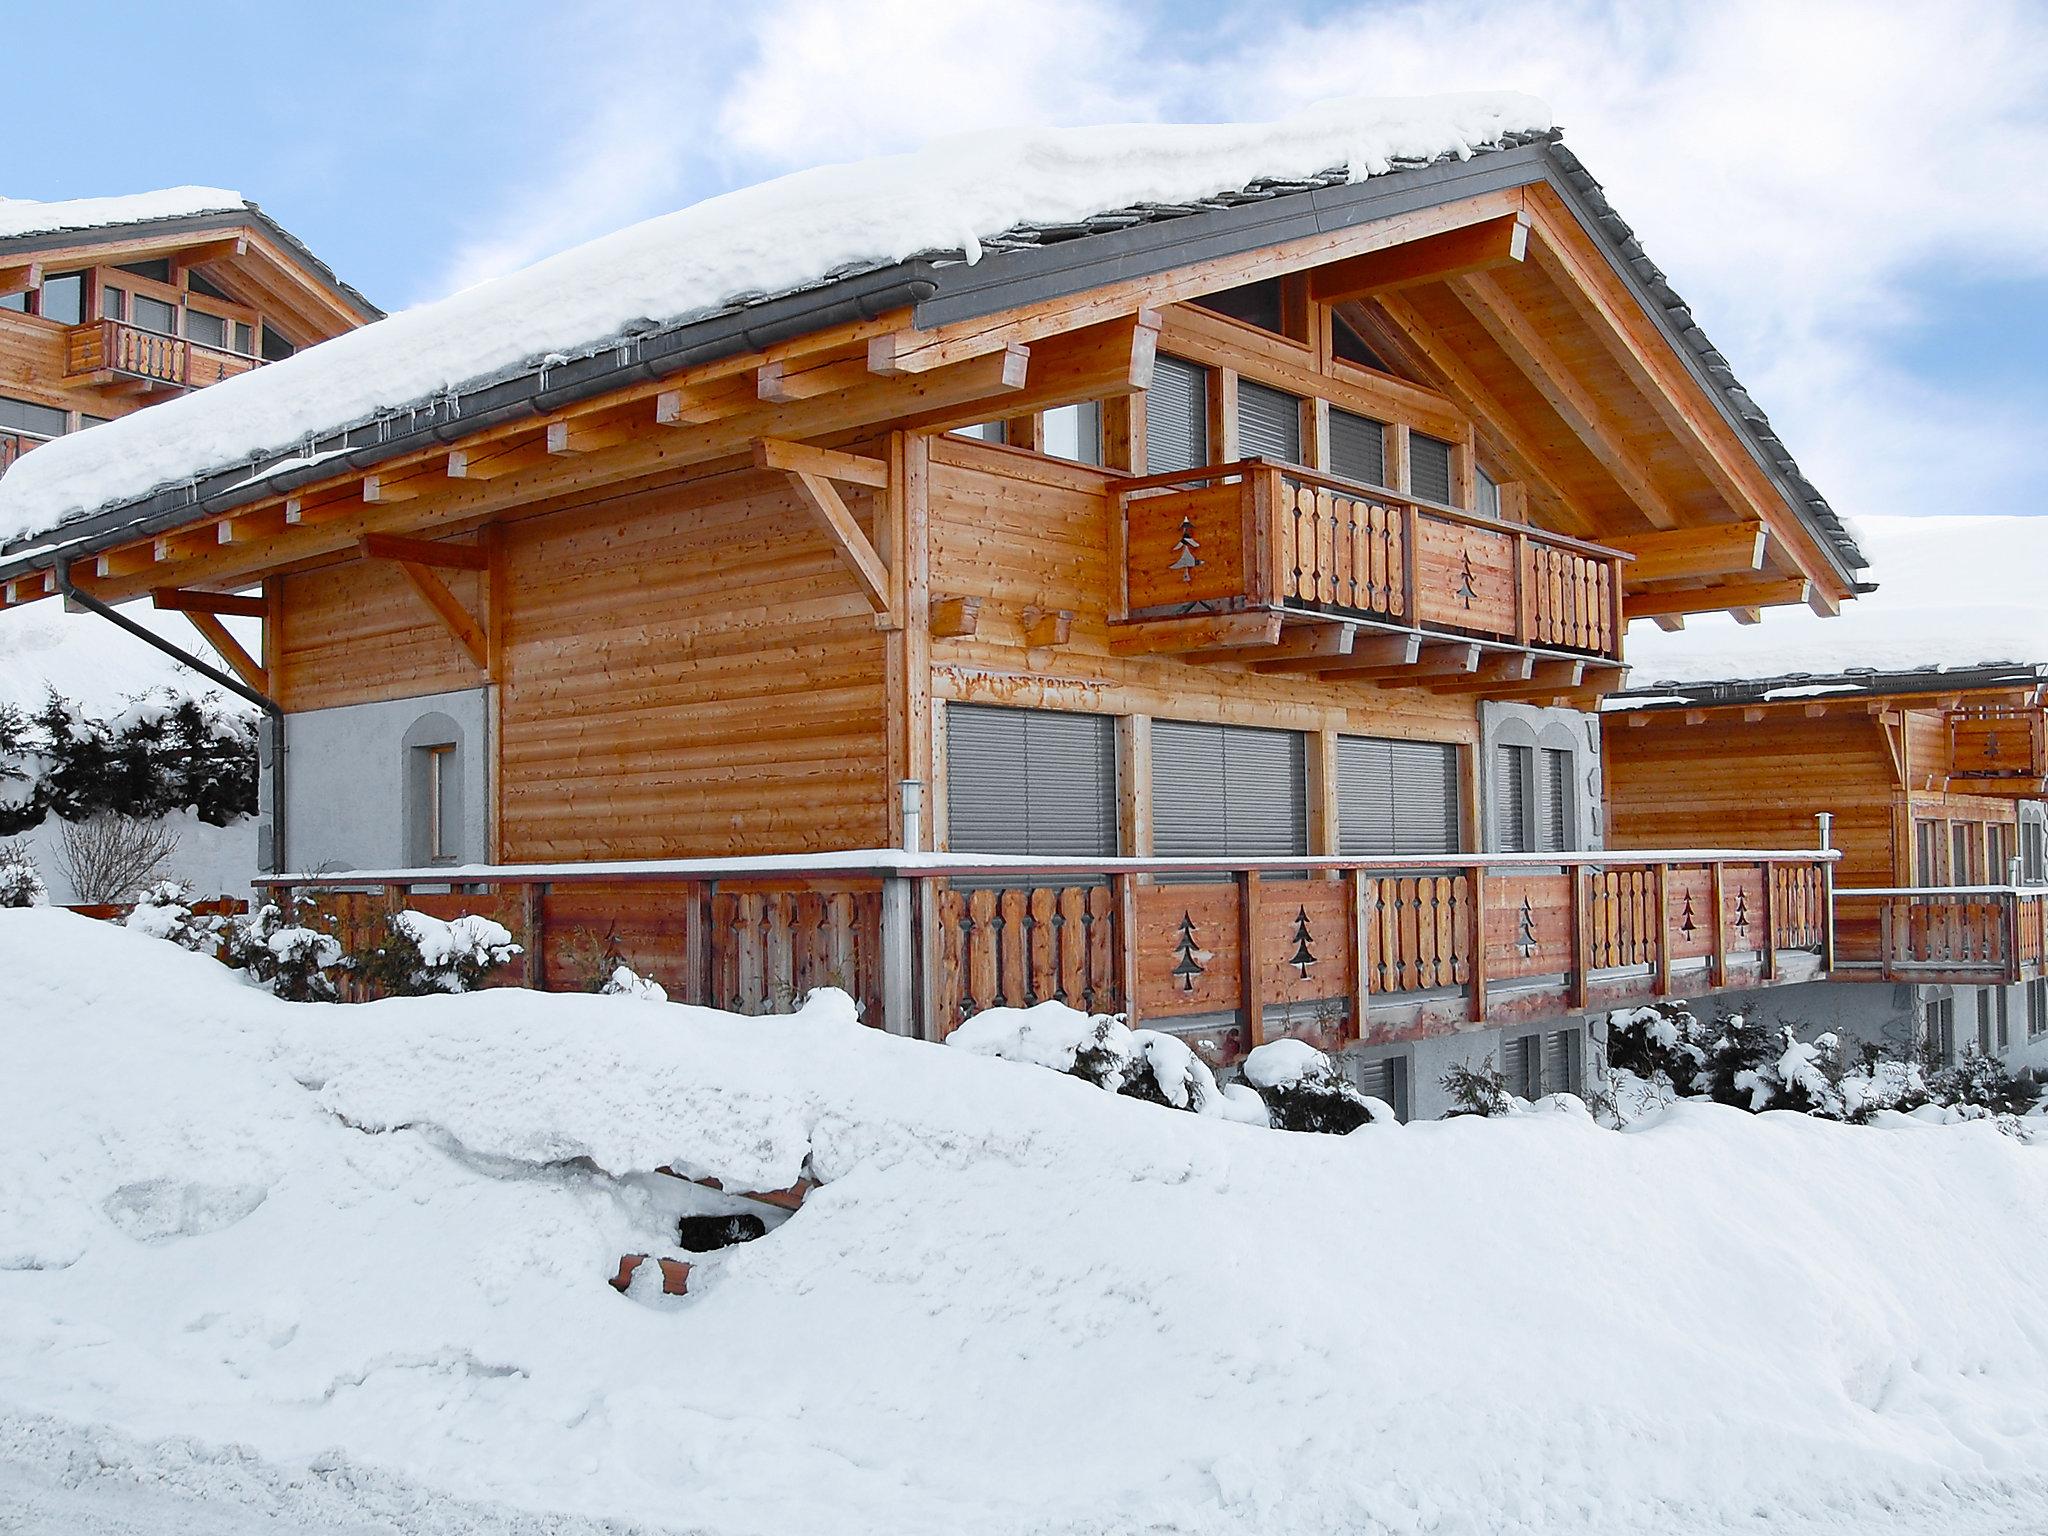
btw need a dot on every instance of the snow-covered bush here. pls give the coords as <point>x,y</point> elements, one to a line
<point>21,883</point>
<point>1101,1049</point>
<point>1304,1090</point>
<point>163,752</point>
<point>1982,1083</point>
<point>1479,1090</point>
<point>164,911</point>
<point>423,955</point>
<point>624,981</point>
<point>284,953</point>
<point>1657,1042</point>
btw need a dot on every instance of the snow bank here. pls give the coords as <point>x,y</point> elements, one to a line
<point>349,1263</point>
<point>1952,592</point>
<point>26,216</point>
<point>98,666</point>
<point>776,236</point>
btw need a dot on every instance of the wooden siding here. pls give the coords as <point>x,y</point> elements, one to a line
<point>356,633</point>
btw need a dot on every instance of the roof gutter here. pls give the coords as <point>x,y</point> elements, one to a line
<point>540,391</point>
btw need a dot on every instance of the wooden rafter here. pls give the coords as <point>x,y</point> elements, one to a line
<point>416,559</point>
<point>1688,554</point>
<point>172,600</point>
<point>813,471</point>
<point>1556,382</point>
<point>1772,593</point>
<point>20,276</point>
<point>1475,248</point>
<point>229,649</point>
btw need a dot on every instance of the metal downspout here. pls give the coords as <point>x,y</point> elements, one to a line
<point>75,597</point>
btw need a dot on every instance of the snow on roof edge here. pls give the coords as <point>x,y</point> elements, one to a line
<point>21,217</point>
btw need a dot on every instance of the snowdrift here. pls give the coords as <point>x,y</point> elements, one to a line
<point>345,1268</point>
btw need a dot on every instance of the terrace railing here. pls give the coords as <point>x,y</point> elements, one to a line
<point>114,346</point>
<point>1232,952</point>
<point>1978,935</point>
<point>14,443</point>
<point>1253,535</point>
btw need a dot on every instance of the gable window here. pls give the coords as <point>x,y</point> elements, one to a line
<point>982,431</point>
<point>1256,304</point>
<point>1074,432</point>
<point>1429,468</point>
<point>1268,423</point>
<point>158,271</point>
<point>17,302</point>
<point>276,345</point>
<point>1358,448</point>
<point>1346,343</point>
<point>1030,781</point>
<point>1227,791</point>
<point>1177,416</point>
<point>1396,797</point>
<point>62,298</point>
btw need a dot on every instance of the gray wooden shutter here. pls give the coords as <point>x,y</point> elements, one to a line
<point>1030,781</point>
<point>1268,423</point>
<point>1511,798</point>
<point>1176,416</point>
<point>1358,447</point>
<point>1553,800</point>
<point>1386,1079</point>
<point>1561,1061</point>
<point>1365,798</point>
<point>1227,792</point>
<point>1429,468</point>
<point>1521,1064</point>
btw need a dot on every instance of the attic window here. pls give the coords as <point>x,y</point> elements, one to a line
<point>1487,493</point>
<point>1347,344</point>
<point>276,347</point>
<point>155,271</point>
<point>199,284</point>
<point>1254,304</point>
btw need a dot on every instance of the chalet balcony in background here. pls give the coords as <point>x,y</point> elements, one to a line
<point>1965,935</point>
<point>111,351</point>
<point>1226,953</point>
<point>2000,749</point>
<point>14,443</point>
<point>1259,538</point>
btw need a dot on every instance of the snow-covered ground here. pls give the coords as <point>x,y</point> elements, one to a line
<point>343,1269</point>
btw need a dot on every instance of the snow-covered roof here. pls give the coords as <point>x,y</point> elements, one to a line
<point>1954,593</point>
<point>651,296</point>
<point>22,216</point>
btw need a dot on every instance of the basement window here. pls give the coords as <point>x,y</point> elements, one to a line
<point>1387,1081</point>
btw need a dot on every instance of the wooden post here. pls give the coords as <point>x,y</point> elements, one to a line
<point>1717,882</point>
<point>1522,603</point>
<point>1582,943</point>
<point>1411,523</point>
<point>1125,885</point>
<point>1663,984</point>
<point>1355,878</point>
<point>533,897</point>
<point>1251,977</point>
<point>899,958</point>
<point>1477,962</point>
<point>1768,961</point>
<point>1885,967</point>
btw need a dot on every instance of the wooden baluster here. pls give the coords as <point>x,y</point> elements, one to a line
<point>1014,962</point>
<point>983,940</point>
<point>1251,973</point>
<point>1358,926</point>
<point>1327,588</point>
<point>1476,919</point>
<point>1044,980</point>
<point>1101,938</point>
<point>1071,930</point>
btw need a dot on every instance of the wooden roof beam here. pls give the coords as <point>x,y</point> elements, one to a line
<point>391,546</point>
<point>1480,247</point>
<point>1304,648</point>
<point>174,600</point>
<point>20,277</point>
<point>802,458</point>
<point>1689,554</point>
<point>1195,632</point>
<point>184,259</point>
<point>483,464</point>
<point>1552,377</point>
<point>1771,593</point>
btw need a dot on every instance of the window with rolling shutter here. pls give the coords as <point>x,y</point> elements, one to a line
<point>1222,791</point>
<point>1553,800</point>
<point>1561,1062</point>
<point>1030,781</point>
<point>1511,798</point>
<point>1396,797</point>
<point>1429,468</point>
<point>1358,448</point>
<point>1176,416</point>
<point>1268,423</point>
<point>1387,1081</point>
<point>1521,1064</point>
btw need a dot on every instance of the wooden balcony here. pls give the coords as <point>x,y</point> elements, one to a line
<point>1983,935</point>
<point>1260,539</point>
<point>112,351</point>
<point>1999,749</point>
<point>1229,954</point>
<point>13,444</point>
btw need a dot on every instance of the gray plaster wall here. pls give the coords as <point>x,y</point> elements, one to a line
<point>1429,1058</point>
<point>351,786</point>
<point>1542,726</point>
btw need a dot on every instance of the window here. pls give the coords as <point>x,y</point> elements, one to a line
<point>1387,1081</point>
<point>1224,791</point>
<point>1358,447</point>
<point>433,800</point>
<point>245,338</point>
<point>1941,1030</point>
<point>1268,423</point>
<point>196,281</point>
<point>982,431</point>
<point>154,315</point>
<point>1030,781</point>
<point>1511,766</point>
<point>2001,1013</point>
<point>1256,304</point>
<point>2002,841</point>
<point>27,416</point>
<point>1536,1064</point>
<point>276,346</point>
<point>1984,1011</point>
<point>1429,468</point>
<point>1176,416</point>
<point>1561,1061</point>
<point>437,803</point>
<point>1396,797</point>
<point>1486,492</point>
<point>1074,432</point>
<point>1346,343</point>
<point>207,330</point>
<point>62,298</point>
<point>2033,852</point>
<point>113,302</point>
<point>1534,809</point>
<point>2037,1009</point>
<point>1553,800</point>
<point>158,271</point>
<point>17,302</point>
<point>1964,846</point>
<point>1927,852</point>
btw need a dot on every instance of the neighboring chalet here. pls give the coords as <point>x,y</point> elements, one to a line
<point>109,304</point>
<point>1930,759</point>
<point>1215,590</point>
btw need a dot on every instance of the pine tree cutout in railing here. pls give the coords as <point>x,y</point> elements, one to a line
<point>1525,936</point>
<point>1742,911</point>
<point>1188,956</point>
<point>1466,590</point>
<point>1303,957</point>
<point>1686,925</point>
<point>1185,560</point>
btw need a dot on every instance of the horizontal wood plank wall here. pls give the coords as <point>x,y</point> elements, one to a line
<point>1732,783</point>
<point>1021,532</point>
<point>689,671</point>
<point>357,633</point>
<point>32,368</point>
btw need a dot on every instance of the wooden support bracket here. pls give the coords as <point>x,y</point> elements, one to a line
<point>239,661</point>
<point>416,559</point>
<point>813,470</point>
<point>955,617</point>
<point>1048,626</point>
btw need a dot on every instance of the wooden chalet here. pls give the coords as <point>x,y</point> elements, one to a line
<point>111,304</point>
<point>1933,782</point>
<point>1213,598</point>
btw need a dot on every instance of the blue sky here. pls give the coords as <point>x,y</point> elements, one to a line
<point>1846,192</point>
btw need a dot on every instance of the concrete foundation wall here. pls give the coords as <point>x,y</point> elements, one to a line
<point>1428,1059</point>
<point>352,787</point>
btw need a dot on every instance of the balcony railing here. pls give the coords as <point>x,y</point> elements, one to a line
<point>2004,744</point>
<point>113,347</point>
<point>1971,935</point>
<point>1228,953</point>
<point>1253,535</point>
<point>14,443</point>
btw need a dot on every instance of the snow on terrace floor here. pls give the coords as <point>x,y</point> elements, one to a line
<point>343,1268</point>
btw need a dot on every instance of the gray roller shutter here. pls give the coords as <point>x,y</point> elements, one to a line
<point>1396,797</point>
<point>1386,1079</point>
<point>1227,792</point>
<point>1358,448</point>
<point>1561,1062</point>
<point>1429,468</point>
<point>1511,798</point>
<point>1176,416</point>
<point>1521,1064</point>
<point>1553,800</point>
<point>1030,781</point>
<point>1268,423</point>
